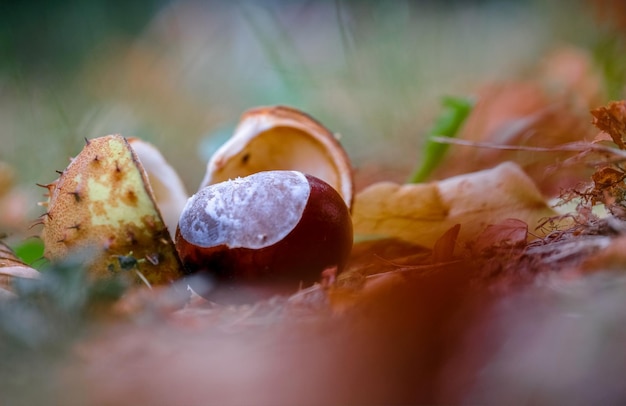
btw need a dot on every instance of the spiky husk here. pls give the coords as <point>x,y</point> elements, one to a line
<point>103,202</point>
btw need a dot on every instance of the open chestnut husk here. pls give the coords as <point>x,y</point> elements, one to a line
<point>268,233</point>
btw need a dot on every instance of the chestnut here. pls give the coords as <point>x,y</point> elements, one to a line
<point>268,233</point>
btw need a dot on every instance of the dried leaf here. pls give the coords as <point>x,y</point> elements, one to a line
<point>12,267</point>
<point>421,213</point>
<point>444,246</point>
<point>607,176</point>
<point>521,113</point>
<point>612,120</point>
<point>509,233</point>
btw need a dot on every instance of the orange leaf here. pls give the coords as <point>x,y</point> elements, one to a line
<point>612,120</point>
<point>444,246</point>
<point>509,233</point>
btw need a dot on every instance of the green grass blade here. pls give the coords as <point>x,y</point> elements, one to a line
<point>447,124</point>
<point>29,250</point>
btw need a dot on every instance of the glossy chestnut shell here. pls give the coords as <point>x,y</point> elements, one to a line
<point>268,233</point>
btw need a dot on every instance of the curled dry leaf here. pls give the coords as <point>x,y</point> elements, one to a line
<point>612,120</point>
<point>12,267</point>
<point>607,186</point>
<point>421,213</point>
<point>444,247</point>
<point>169,192</point>
<point>282,138</point>
<point>103,201</point>
<point>521,114</point>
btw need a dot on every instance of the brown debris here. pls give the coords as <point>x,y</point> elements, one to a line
<point>612,120</point>
<point>12,267</point>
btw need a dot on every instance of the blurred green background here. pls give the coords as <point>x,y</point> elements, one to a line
<point>180,73</point>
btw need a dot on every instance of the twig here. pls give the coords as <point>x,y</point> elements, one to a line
<point>570,147</point>
<point>409,268</point>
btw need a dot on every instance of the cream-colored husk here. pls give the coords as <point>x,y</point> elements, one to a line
<point>282,138</point>
<point>169,191</point>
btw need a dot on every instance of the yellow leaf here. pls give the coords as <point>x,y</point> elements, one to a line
<point>421,213</point>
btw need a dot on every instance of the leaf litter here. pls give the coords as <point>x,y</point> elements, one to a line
<point>415,293</point>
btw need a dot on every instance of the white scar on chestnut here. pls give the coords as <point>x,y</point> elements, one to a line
<point>267,233</point>
<point>220,222</point>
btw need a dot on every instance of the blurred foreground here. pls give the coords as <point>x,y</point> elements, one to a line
<point>540,329</point>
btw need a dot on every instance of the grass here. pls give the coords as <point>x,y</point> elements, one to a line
<point>447,124</point>
<point>177,74</point>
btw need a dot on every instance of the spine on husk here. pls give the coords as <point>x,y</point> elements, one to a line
<point>102,203</point>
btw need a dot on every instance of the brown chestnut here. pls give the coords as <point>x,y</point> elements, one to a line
<point>268,233</point>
